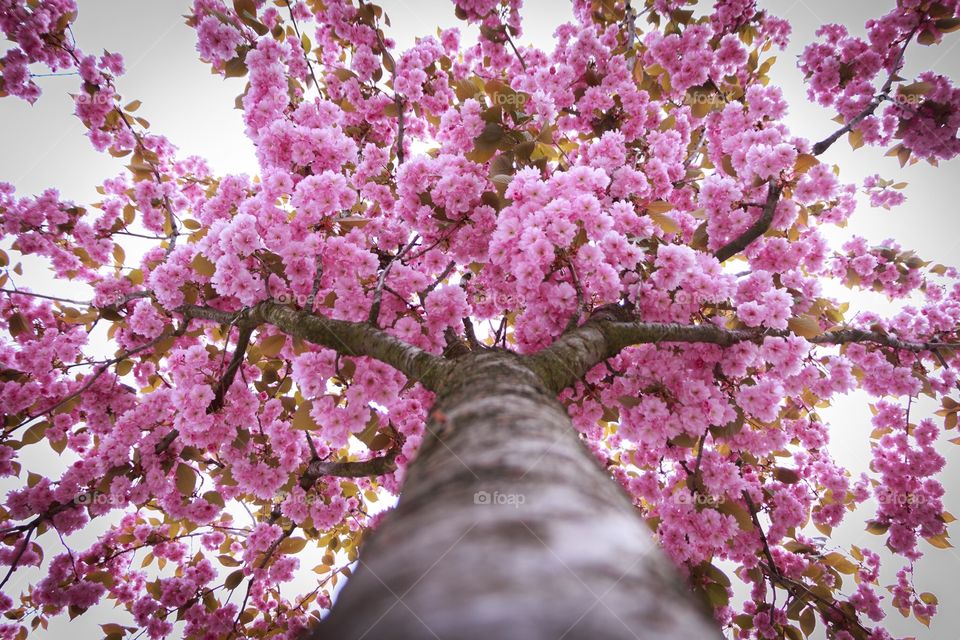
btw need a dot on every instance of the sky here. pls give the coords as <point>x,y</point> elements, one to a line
<point>44,146</point>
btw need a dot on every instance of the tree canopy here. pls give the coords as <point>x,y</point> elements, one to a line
<point>628,211</point>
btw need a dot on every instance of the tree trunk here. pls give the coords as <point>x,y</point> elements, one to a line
<point>508,528</point>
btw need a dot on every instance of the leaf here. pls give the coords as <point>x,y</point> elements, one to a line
<point>665,222</point>
<point>839,562</point>
<point>186,479</point>
<point>792,633</point>
<point>35,433</point>
<point>229,561</point>
<point>545,150</point>
<point>214,497</point>
<point>203,266</point>
<point>915,89</point>
<point>658,206</point>
<point>739,513</point>
<point>380,442</point>
<point>940,541</point>
<point>804,163</point>
<point>808,621</point>
<point>491,134</point>
<point>124,367</point>
<point>926,38</point>
<point>786,476</point>
<point>292,545</point>
<point>947,25</point>
<point>481,152</point>
<point>17,324</point>
<point>271,346</point>
<point>805,325</point>
<point>856,138</point>
<point>877,528</point>
<point>233,580</point>
<point>727,163</point>
<point>717,594</point>
<point>301,419</point>
<point>235,68</point>
<point>245,6</point>
<point>903,155</point>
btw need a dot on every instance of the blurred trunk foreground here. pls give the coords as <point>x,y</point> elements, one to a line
<point>507,527</point>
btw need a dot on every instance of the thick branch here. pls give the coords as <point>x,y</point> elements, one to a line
<point>754,231</point>
<point>347,338</point>
<point>378,466</point>
<point>576,352</point>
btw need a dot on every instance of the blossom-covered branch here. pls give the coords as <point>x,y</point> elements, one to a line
<point>602,337</point>
<point>348,338</point>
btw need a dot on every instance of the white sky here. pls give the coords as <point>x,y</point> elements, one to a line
<point>44,146</point>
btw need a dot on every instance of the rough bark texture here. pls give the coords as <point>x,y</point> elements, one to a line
<point>347,338</point>
<point>508,528</point>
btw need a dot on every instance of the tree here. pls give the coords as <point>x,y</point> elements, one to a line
<point>505,280</point>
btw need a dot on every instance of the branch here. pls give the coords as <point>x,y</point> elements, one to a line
<point>243,340</point>
<point>754,231</point>
<point>306,58</point>
<point>506,33</point>
<point>825,144</point>
<point>373,318</point>
<point>379,466</point>
<point>422,295</point>
<point>99,371</point>
<point>345,337</point>
<point>605,335</point>
<point>398,100</point>
<point>16,559</point>
<point>14,292</point>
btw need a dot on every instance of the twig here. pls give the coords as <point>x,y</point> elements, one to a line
<point>374,316</point>
<point>825,144</point>
<point>757,229</point>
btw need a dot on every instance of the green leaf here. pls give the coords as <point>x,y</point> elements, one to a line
<point>292,545</point>
<point>271,346</point>
<point>877,528</point>
<point>717,594</point>
<point>301,419</point>
<point>786,476</point>
<point>202,265</point>
<point>948,25</point>
<point>808,621</point>
<point>233,580</point>
<point>228,561</point>
<point>186,479</point>
<point>805,325</point>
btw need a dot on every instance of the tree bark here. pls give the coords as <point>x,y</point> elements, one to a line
<point>509,528</point>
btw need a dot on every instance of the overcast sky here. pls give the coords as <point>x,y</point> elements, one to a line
<point>44,146</point>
